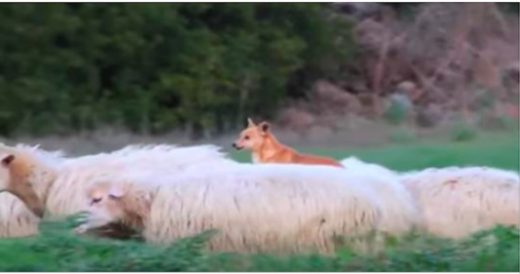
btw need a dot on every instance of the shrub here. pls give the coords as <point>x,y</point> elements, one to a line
<point>462,130</point>
<point>399,109</point>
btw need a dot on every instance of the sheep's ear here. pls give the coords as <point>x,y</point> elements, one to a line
<point>115,192</point>
<point>250,122</point>
<point>264,126</point>
<point>8,159</point>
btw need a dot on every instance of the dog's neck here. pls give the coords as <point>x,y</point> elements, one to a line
<point>269,147</point>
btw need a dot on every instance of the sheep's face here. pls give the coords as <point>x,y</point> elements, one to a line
<point>14,179</point>
<point>105,206</point>
<point>252,137</point>
<point>5,174</point>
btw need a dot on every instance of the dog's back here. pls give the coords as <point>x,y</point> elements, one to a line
<point>315,160</point>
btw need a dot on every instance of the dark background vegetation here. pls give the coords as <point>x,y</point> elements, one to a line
<point>202,68</point>
<point>154,67</point>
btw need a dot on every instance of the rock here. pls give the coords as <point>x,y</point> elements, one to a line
<point>429,116</point>
<point>296,119</point>
<point>372,105</point>
<point>334,99</point>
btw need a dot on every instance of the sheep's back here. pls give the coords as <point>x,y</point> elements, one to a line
<point>456,202</point>
<point>265,208</point>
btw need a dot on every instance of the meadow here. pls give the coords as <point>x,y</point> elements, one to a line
<point>58,249</point>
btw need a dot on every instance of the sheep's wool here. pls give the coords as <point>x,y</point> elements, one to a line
<point>62,182</point>
<point>265,208</point>
<point>456,202</point>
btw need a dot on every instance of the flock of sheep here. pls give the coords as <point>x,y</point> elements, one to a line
<point>167,192</point>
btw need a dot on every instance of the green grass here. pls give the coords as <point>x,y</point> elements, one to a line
<point>57,249</point>
<point>496,150</point>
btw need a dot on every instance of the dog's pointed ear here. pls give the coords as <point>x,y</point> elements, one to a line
<point>8,159</point>
<point>264,126</point>
<point>250,122</point>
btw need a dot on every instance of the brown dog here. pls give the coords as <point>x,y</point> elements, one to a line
<point>266,149</point>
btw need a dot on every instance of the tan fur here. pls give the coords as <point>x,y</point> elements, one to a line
<point>20,183</point>
<point>267,149</point>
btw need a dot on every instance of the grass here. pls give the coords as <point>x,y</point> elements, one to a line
<point>496,150</point>
<point>57,249</point>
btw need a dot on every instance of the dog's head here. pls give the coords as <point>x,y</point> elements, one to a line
<point>253,136</point>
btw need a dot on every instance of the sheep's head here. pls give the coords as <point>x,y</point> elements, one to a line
<point>110,204</point>
<point>5,173</point>
<point>14,178</point>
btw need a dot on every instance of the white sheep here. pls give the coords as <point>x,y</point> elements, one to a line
<point>16,220</point>
<point>458,201</point>
<point>255,208</point>
<point>353,164</point>
<point>400,213</point>
<point>44,180</point>
<point>455,202</point>
<point>155,159</point>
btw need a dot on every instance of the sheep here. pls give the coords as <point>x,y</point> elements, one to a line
<point>353,164</point>
<point>50,181</point>
<point>163,159</point>
<point>455,202</point>
<point>15,219</point>
<point>254,208</point>
<point>400,212</point>
<point>458,201</point>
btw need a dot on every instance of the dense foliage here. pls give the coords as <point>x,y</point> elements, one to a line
<point>155,67</point>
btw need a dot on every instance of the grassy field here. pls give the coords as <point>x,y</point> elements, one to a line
<point>57,249</point>
<point>498,150</point>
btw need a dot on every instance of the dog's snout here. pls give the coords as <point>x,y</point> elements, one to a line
<point>234,145</point>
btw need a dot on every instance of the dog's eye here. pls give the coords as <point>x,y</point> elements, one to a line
<point>246,137</point>
<point>95,201</point>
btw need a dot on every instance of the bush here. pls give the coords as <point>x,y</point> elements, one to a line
<point>462,132</point>
<point>399,109</point>
<point>69,67</point>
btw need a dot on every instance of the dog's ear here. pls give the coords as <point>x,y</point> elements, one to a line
<point>250,122</point>
<point>8,159</point>
<point>264,126</point>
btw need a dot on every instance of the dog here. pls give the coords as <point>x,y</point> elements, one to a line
<point>267,149</point>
